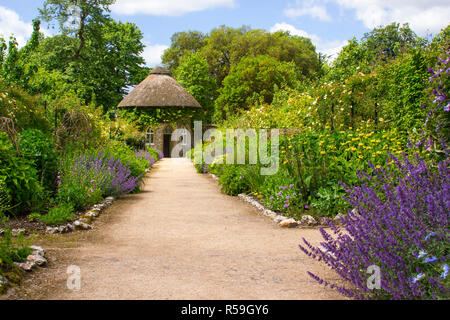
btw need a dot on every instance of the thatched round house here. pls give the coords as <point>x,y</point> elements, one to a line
<point>160,91</point>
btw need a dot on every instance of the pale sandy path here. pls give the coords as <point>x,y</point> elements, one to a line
<point>180,239</point>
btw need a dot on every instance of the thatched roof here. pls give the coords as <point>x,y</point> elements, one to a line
<point>159,90</point>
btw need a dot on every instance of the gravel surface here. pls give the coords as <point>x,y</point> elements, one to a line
<point>179,239</point>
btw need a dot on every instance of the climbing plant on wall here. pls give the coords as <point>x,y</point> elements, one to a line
<point>153,117</point>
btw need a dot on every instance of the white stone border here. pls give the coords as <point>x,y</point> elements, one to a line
<point>282,221</point>
<point>84,221</point>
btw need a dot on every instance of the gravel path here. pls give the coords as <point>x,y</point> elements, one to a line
<point>179,239</point>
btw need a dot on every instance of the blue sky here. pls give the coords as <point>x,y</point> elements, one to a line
<point>329,23</point>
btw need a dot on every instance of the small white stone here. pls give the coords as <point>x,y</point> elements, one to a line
<point>308,220</point>
<point>16,232</point>
<point>26,266</point>
<point>269,213</point>
<point>279,218</point>
<point>3,281</point>
<point>288,223</point>
<point>38,250</point>
<point>81,225</point>
<point>36,260</point>
<point>51,230</point>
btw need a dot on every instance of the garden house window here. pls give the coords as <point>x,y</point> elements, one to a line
<point>151,137</point>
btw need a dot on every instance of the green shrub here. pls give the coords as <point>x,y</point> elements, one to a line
<point>59,214</point>
<point>11,249</point>
<point>232,180</point>
<point>38,148</point>
<point>20,178</point>
<point>127,156</point>
<point>328,200</point>
<point>153,153</point>
<point>79,189</point>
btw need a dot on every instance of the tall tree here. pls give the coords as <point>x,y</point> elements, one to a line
<point>75,17</point>
<point>182,44</point>
<point>253,80</point>
<point>193,75</point>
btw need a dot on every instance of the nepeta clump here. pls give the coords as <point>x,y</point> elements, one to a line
<point>400,225</point>
<point>142,154</point>
<point>89,177</point>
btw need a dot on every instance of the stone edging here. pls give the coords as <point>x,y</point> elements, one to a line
<point>282,221</point>
<point>84,221</point>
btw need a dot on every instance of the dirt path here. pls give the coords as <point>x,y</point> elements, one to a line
<point>180,239</point>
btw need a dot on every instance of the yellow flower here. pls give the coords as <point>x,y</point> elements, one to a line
<point>323,152</point>
<point>361,157</point>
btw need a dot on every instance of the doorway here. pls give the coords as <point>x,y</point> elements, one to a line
<point>167,140</point>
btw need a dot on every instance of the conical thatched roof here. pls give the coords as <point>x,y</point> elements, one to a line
<point>159,90</point>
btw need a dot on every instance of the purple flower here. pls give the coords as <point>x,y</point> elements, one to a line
<point>271,198</point>
<point>399,207</point>
<point>291,185</point>
<point>306,207</point>
<point>286,205</point>
<point>429,260</point>
<point>288,197</point>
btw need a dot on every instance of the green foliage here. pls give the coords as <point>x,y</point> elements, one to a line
<point>11,249</point>
<point>23,109</point>
<point>127,156</point>
<point>194,76</point>
<point>328,200</point>
<point>405,91</point>
<point>153,117</point>
<point>20,177</point>
<point>232,180</point>
<point>182,44</point>
<point>378,46</point>
<point>56,65</point>
<point>58,215</point>
<point>153,153</point>
<point>4,198</point>
<point>251,81</point>
<point>37,147</point>
<point>79,190</point>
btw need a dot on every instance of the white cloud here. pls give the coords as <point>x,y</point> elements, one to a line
<point>307,8</point>
<point>422,15</point>
<point>153,54</point>
<point>11,24</point>
<point>167,8</point>
<point>331,48</point>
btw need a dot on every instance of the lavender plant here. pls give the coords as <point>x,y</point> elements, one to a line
<point>402,227</point>
<point>90,177</point>
<point>142,154</point>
